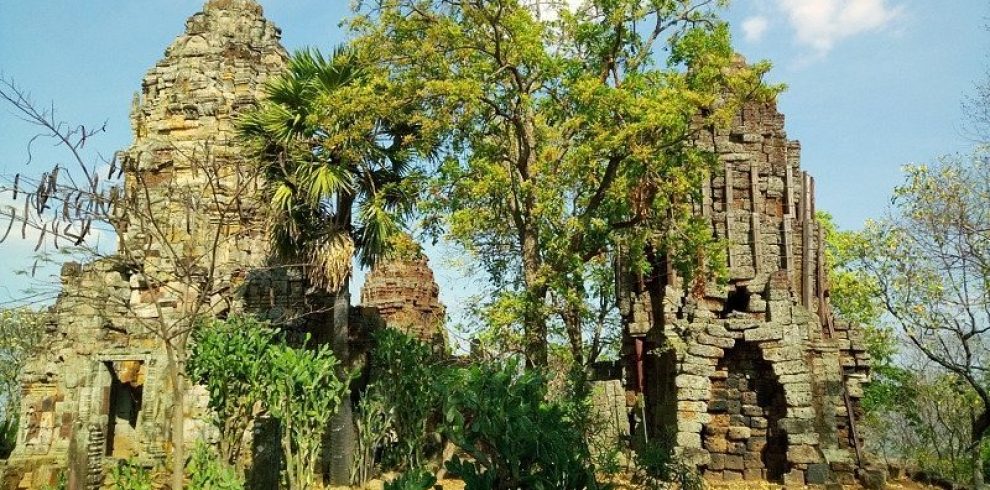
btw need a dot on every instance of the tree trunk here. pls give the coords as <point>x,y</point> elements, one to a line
<point>342,432</point>
<point>572,322</point>
<point>534,320</point>
<point>178,417</point>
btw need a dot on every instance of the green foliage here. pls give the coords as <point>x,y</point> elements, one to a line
<point>242,361</point>
<point>301,390</point>
<point>229,358</point>
<point>128,475</point>
<point>499,416</point>
<point>561,141</point>
<point>414,479</point>
<point>659,468</point>
<point>206,471</point>
<point>405,372</point>
<point>21,331</point>
<point>928,258</point>
<point>8,436</point>
<point>374,419</point>
<point>855,295</point>
<point>325,134</point>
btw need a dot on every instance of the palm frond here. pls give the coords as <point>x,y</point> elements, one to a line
<point>330,260</point>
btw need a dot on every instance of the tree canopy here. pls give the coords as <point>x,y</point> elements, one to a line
<point>558,140</point>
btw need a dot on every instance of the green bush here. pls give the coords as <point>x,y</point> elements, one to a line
<point>408,371</point>
<point>301,390</point>
<point>373,421</point>
<point>207,472</point>
<point>228,358</point>
<point>499,416</point>
<point>128,475</point>
<point>242,361</point>
<point>415,479</point>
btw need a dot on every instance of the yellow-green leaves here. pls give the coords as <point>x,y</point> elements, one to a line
<point>561,138</point>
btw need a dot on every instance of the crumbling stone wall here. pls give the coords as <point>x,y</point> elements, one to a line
<point>754,378</point>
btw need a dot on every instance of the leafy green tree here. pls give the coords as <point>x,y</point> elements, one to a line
<point>559,138</point>
<point>242,361</point>
<point>855,296</point>
<point>301,390</point>
<point>930,261</point>
<point>335,154</point>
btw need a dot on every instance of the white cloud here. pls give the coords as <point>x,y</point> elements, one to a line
<point>821,24</point>
<point>754,28</point>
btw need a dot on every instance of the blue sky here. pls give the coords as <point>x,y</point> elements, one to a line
<point>873,84</point>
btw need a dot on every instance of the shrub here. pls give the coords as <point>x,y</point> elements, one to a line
<point>410,371</point>
<point>303,393</point>
<point>373,421</point>
<point>241,361</point>
<point>415,479</point>
<point>128,475</point>
<point>207,472</point>
<point>516,439</point>
<point>228,358</point>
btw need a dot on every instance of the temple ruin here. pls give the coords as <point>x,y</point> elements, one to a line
<point>191,241</point>
<point>753,379</point>
<point>756,378</point>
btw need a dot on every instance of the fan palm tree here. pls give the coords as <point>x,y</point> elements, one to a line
<point>337,171</point>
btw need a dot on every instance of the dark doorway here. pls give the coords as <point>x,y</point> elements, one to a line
<point>125,398</point>
<point>743,434</point>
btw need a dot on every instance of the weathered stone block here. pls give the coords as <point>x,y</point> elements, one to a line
<point>766,332</point>
<point>689,440</point>
<point>738,433</point>
<point>734,462</point>
<point>817,474</point>
<point>721,342</point>
<point>705,351</point>
<point>729,475</point>
<point>790,367</point>
<point>802,454</point>
<point>794,478</point>
<point>717,462</point>
<point>692,382</point>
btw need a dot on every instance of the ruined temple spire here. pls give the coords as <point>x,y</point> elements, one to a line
<point>242,5</point>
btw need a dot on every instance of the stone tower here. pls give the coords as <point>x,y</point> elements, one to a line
<point>188,223</point>
<point>755,379</point>
<point>405,294</point>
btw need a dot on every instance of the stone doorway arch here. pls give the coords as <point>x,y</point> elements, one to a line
<point>743,434</point>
